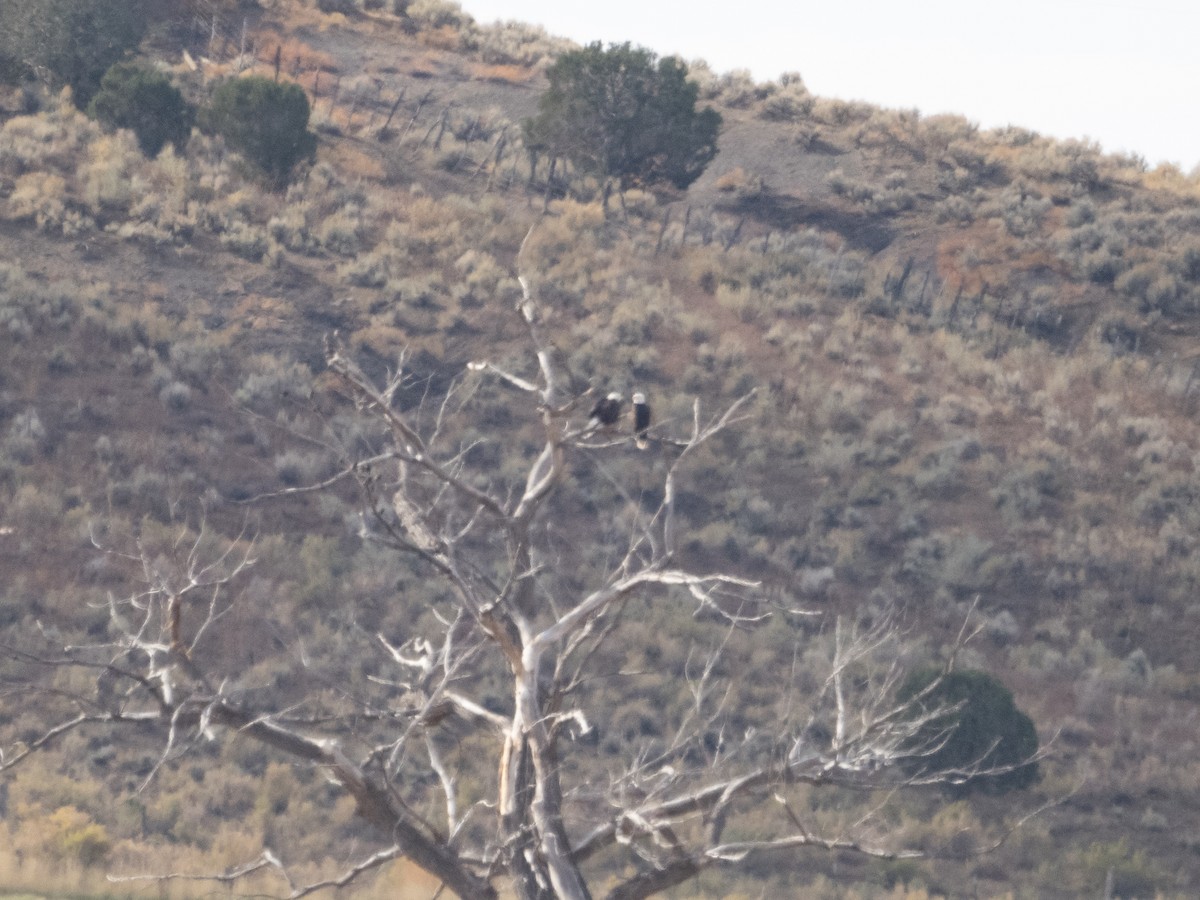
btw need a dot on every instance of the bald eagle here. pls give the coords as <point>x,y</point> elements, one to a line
<point>641,419</point>
<point>606,412</point>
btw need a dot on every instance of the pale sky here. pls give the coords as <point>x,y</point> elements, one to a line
<point>1125,73</point>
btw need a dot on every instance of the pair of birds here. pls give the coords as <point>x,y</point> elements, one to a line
<point>607,412</point>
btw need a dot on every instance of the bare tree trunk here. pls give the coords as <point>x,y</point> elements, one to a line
<point>375,801</point>
<point>392,112</point>
<point>662,231</point>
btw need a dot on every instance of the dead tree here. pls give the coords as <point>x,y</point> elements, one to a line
<point>545,813</point>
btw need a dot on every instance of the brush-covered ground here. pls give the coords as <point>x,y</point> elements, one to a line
<point>976,394</point>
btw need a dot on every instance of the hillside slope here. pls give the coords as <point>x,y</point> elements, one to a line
<point>976,394</point>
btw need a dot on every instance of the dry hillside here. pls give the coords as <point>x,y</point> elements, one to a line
<point>976,392</point>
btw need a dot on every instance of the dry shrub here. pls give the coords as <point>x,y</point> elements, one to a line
<point>841,112</point>
<point>739,183</point>
<point>480,271</point>
<point>739,89</point>
<point>69,834</point>
<point>945,129</point>
<point>355,162</point>
<point>25,140</point>
<point>519,43</point>
<point>295,56</point>
<point>425,65</point>
<point>445,37</point>
<point>1167,177</point>
<point>290,228</point>
<point>246,240</point>
<point>50,139</point>
<point>40,196</point>
<point>581,216</point>
<point>427,235</point>
<point>342,232</point>
<point>439,14</point>
<point>742,301</point>
<point>501,73</point>
<point>385,340</point>
<point>367,270</point>
<point>162,214</point>
<point>109,177</point>
<point>788,102</point>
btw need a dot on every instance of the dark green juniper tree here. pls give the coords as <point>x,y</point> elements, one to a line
<point>144,101</point>
<point>264,120</point>
<point>981,732</point>
<point>622,114</point>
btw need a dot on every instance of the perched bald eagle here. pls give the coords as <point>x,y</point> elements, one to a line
<point>641,420</point>
<point>606,412</point>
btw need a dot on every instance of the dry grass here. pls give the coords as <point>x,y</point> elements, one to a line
<point>357,162</point>
<point>502,73</point>
<point>444,37</point>
<point>295,55</point>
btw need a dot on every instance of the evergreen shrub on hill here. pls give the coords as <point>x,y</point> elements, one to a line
<point>984,730</point>
<point>264,120</point>
<point>144,101</point>
<point>621,113</point>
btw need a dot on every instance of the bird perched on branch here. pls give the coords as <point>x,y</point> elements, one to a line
<point>641,420</point>
<point>606,412</point>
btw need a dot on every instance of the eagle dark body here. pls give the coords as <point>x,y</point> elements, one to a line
<point>641,419</point>
<point>606,412</point>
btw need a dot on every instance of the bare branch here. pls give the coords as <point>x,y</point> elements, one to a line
<point>265,860</point>
<point>514,380</point>
<point>738,851</point>
<point>410,444</point>
<point>700,586</point>
<point>346,878</point>
<point>349,471</point>
<point>9,762</point>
